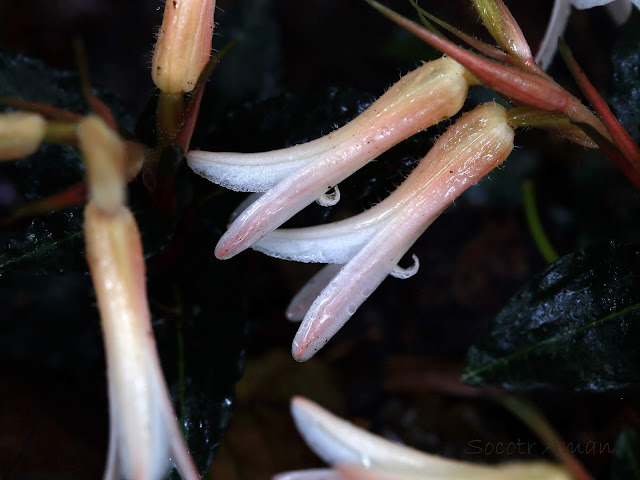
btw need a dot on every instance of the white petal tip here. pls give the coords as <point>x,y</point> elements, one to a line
<point>330,198</point>
<point>403,273</point>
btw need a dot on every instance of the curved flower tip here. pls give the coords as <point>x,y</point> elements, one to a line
<point>371,244</point>
<point>297,176</point>
<point>360,455</point>
<point>143,427</point>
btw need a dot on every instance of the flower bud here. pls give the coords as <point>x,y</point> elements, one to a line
<point>21,134</point>
<point>184,44</point>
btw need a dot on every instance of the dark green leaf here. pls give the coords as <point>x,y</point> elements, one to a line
<point>200,330</point>
<point>626,77</point>
<point>626,456</point>
<point>50,243</point>
<point>575,326</point>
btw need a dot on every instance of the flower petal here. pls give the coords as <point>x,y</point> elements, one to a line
<point>555,29</point>
<point>314,474</point>
<point>301,302</point>
<point>337,441</point>
<point>258,172</point>
<point>144,428</point>
<point>335,242</point>
<point>620,10</point>
<point>420,99</point>
<point>360,455</point>
<point>478,142</point>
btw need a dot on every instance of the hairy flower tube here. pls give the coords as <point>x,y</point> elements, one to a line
<point>372,243</point>
<point>297,176</point>
<point>144,431</point>
<point>184,44</point>
<point>356,454</point>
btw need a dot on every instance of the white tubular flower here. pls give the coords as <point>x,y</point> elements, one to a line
<point>295,177</point>
<point>144,431</point>
<point>184,44</point>
<point>618,9</point>
<point>371,244</point>
<point>359,455</point>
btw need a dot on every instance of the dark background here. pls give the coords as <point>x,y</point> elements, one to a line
<point>394,367</point>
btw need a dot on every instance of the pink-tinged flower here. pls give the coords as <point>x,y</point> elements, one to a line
<point>184,44</point>
<point>356,454</point>
<point>618,9</point>
<point>371,244</point>
<point>295,177</point>
<point>144,431</point>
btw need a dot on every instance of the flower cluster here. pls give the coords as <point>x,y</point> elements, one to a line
<point>363,250</point>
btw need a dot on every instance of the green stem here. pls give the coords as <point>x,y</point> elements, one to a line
<point>535,225</point>
<point>61,133</point>
<point>169,117</point>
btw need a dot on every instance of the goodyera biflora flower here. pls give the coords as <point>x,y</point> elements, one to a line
<point>184,44</point>
<point>618,9</point>
<point>143,427</point>
<point>295,177</point>
<point>372,243</point>
<point>356,454</point>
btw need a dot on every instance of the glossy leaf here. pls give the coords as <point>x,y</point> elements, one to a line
<point>575,326</point>
<point>625,100</point>
<point>199,326</point>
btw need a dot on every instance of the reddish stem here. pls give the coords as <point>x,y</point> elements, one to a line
<point>629,161</point>
<point>517,84</point>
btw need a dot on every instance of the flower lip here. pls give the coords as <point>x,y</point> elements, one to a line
<point>427,95</point>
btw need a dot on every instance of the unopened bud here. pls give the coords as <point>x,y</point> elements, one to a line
<point>184,44</point>
<point>21,134</point>
<point>104,156</point>
<point>504,29</point>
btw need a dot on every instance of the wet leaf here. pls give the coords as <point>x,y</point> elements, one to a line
<point>575,326</point>
<point>200,331</point>
<point>626,456</point>
<point>625,100</point>
<point>47,244</point>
